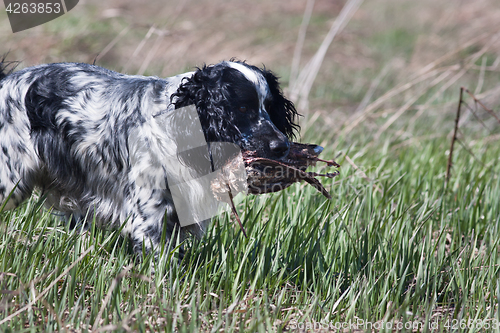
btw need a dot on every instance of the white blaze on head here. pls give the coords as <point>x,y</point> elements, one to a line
<point>254,77</point>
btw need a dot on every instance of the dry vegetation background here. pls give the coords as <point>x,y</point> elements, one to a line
<point>386,43</point>
<point>388,86</point>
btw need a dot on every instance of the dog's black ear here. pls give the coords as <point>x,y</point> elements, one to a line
<point>281,110</point>
<point>207,91</point>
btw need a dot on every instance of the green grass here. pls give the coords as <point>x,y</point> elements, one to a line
<point>403,247</point>
<point>396,244</point>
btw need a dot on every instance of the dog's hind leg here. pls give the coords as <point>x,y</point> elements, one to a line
<point>15,185</point>
<point>16,175</point>
<point>17,161</point>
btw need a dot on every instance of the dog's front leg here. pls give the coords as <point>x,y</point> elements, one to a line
<point>152,222</point>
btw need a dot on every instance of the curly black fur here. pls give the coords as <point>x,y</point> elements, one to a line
<point>219,91</point>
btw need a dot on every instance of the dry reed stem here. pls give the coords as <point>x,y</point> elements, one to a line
<point>400,111</point>
<point>139,48</point>
<point>467,149</point>
<point>299,93</point>
<point>474,114</point>
<point>159,32</point>
<point>494,137</point>
<point>150,55</point>
<point>46,290</point>
<point>425,73</point>
<point>415,98</point>
<point>456,128</point>
<point>471,60</point>
<point>490,111</point>
<point>492,91</point>
<point>363,174</point>
<point>448,55</point>
<point>356,119</point>
<point>414,140</point>
<point>300,42</point>
<point>454,138</point>
<point>425,107</point>
<point>235,212</point>
<point>442,89</point>
<point>480,80</point>
<point>312,119</point>
<point>123,324</point>
<point>112,43</point>
<point>373,86</point>
<point>108,296</point>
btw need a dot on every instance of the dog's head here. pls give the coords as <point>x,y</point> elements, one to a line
<point>241,104</point>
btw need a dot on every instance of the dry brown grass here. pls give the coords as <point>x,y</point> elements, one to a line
<point>385,45</point>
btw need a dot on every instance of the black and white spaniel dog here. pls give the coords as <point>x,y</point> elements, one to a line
<point>64,130</point>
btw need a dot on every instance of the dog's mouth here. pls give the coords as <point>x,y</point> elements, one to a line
<point>265,175</point>
<point>251,173</point>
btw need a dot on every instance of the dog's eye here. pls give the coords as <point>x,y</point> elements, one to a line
<point>243,109</point>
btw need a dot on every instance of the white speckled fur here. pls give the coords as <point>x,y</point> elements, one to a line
<point>64,129</point>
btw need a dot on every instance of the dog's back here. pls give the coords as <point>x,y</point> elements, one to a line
<point>59,121</point>
<point>65,129</point>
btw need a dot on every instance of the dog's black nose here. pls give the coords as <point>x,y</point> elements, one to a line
<point>279,148</point>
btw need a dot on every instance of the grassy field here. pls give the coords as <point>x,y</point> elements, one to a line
<point>398,248</point>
